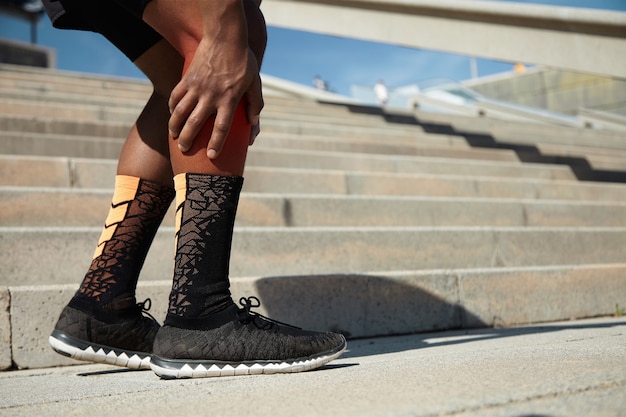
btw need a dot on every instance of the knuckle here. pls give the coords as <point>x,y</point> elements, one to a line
<point>221,126</point>
<point>193,121</point>
<point>178,112</point>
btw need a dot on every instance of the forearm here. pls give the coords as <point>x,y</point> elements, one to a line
<point>224,21</point>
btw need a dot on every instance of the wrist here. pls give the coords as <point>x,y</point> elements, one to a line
<point>225,20</point>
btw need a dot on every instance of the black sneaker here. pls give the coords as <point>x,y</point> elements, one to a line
<point>123,339</point>
<point>240,342</point>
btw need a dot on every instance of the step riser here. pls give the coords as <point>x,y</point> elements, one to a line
<point>27,208</point>
<point>279,251</point>
<point>366,305</point>
<point>413,165</point>
<point>92,108</point>
<point>68,111</point>
<point>350,159</point>
<point>54,145</point>
<point>523,133</point>
<point>120,130</point>
<point>517,131</point>
<point>62,172</point>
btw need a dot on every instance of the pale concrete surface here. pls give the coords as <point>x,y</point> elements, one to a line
<point>5,328</point>
<point>73,207</point>
<point>274,251</point>
<point>90,173</point>
<point>359,305</point>
<point>539,34</point>
<point>564,369</point>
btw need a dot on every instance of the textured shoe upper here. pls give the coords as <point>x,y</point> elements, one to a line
<point>246,336</point>
<point>129,330</point>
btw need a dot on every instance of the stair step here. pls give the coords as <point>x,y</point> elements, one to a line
<point>521,132</point>
<point>360,305</point>
<point>374,222</point>
<point>20,143</point>
<point>89,173</point>
<point>321,250</point>
<point>56,207</point>
<point>359,162</point>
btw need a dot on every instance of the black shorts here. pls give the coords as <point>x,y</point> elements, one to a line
<point>117,20</point>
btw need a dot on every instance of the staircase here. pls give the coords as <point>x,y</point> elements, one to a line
<point>351,219</point>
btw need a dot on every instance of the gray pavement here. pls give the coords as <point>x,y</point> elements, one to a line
<point>564,369</point>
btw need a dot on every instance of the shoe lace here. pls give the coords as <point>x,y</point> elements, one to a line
<point>145,306</point>
<point>260,321</point>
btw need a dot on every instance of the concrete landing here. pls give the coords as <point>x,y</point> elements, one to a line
<point>565,369</point>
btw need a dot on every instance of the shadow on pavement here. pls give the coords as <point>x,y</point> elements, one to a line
<point>414,307</point>
<point>376,346</point>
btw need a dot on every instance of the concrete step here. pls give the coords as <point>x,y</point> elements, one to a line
<point>47,81</point>
<point>395,224</point>
<point>38,106</point>
<point>359,305</point>
<point>47,144</point>
<point>91,173</point>
<point>12,123</point>
<point>521,132</point>
<point>51,144</point>
<point>281,251</point>
<point>587,160</point>
<point>91,106</point>
<point>87,108</point>
<point>424,145</point>
<point>271,124</point>
<point>28,143</point>
<point>287,158</point>
<point>598,158</point>
<point>57,207</point>
<point>260,156</point>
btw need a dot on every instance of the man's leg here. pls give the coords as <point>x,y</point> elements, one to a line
<point>142,195</point>
<point>104,312</point>
<point>207,190</point>
<point>205,333</point>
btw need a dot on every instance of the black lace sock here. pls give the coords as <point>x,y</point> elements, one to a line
<point>206,207</point>
<point>137,209</point>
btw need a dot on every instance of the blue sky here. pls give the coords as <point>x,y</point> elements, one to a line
<point>341,62</point>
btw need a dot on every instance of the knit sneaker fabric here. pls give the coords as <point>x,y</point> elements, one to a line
<point>122,338</point>
<point>240,342</point>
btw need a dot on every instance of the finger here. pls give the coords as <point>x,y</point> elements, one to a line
<point>176,96</point>
<point>192,126</point>
<point>180,114</point>
<point>221,127</point>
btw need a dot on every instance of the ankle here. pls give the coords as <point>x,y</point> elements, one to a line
<point>117,308</point>
<point>209,321</point>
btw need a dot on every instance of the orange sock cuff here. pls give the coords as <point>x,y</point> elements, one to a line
<point>124,192</point>
<point>180,186</point>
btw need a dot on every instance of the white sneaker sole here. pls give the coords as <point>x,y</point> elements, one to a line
<point>173,369</point>
<point>98,353</point>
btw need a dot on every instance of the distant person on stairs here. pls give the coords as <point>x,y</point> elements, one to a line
<point>189,144</point>
<point>382,93</point>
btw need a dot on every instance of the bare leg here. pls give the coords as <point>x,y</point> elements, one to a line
<point>182,27</point>
<point>205,333</point>
<point>146,151</point>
